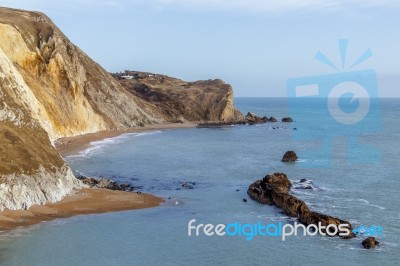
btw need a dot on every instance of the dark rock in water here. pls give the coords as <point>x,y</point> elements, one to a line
<point>261,190</point>
<point>105,183</point>
<point>250,119</point>
<point>279,182</point>
<point>287,119</point>
<point>244,200</point>
<point>289,156</point>
<point>304,187</point>
<point>264,119</point>
<point>290,205</point>
<point>251,116</point>
<point>303,184</point>
<point>325,220</point>
<point>188,185</point>
<point>274,190</point>
<point>237,190</point>
<point>370,242</point>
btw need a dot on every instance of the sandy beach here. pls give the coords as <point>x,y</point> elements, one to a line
<point>71,145</point>
<point>84,201</point>
<point>88,200</point>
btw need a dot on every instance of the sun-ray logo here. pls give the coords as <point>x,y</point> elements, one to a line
<point>350,108</point>
<point>343,44</point>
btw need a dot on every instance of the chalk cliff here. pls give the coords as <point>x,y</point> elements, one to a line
<point>49,89</point>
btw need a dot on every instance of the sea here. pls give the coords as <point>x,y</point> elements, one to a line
<point>203,175</point>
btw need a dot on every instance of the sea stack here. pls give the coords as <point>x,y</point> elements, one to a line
<point>289,156</point>
<point>370,242</point>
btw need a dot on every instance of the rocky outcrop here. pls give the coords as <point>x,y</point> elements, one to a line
<point>370,242</point>
<point>287,120</point>
<point>105,183</point>
<point>274,189</point>
<point>249,119</point>
<point>175,100</point>
<point>289,156</point>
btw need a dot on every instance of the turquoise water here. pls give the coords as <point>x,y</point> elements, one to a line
<point>221,161</point>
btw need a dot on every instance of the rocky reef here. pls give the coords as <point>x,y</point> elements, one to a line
<point>105,183</point>
<point>249,119</point>
<point>274,189</point>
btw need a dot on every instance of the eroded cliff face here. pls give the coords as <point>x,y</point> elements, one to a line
<point>50,89</point>
<point>31,170</point>
<point>179,101</point>
<point>75,95</point>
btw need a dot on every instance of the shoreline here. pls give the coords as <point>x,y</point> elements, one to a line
<point>71,145</point>
<point>83,202</point>
<point>86,201</point>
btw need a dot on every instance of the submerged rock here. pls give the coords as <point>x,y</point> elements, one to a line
<point>289,156</point>
<point>370,242</point>
<point>304,184</point>
<point>188,185</point>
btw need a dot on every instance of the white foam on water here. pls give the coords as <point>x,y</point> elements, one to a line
<point>17,232</point>
<point>99,144</point>
<point>372,205</point>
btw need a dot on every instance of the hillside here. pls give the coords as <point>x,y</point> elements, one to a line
<point>180,101</point>
<point>50,89</point>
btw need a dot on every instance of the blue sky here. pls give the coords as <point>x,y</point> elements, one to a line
<point>254,45</point>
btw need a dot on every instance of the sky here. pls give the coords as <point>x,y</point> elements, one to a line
<point>254,45</point>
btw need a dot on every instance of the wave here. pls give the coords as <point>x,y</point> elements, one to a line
<point>99,144</point>
<point>372,205</point>
<point>18,232</point>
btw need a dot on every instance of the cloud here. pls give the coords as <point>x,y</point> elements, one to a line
<point>275,5</point>
<point>212,5</point>
<point>63,5</point>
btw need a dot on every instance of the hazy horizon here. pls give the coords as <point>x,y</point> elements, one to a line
<point>255,46</point>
